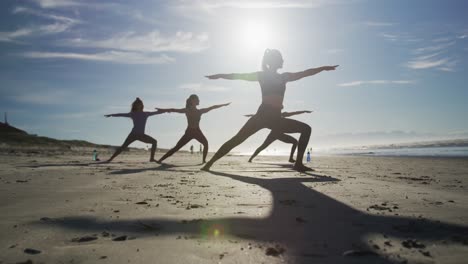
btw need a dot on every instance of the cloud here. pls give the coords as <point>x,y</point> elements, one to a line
<point>151,42</point>
<point>45,97</point>
<point>108,56</point>
<point>198,87</point>
<point>253,4</point>
<point>27,10</point>
<point>379,24</point>
<point>434,48</point>
<point>58,3</point>
<point>61,24</point>
<point>376,82</point>
<point>12,36</point>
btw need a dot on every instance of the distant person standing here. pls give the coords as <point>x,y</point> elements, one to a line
<point>308,156</point>
<point>201,150</point>
<point>193,130</point>
<point>139,118</point>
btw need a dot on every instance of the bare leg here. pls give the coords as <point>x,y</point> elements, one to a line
<point>182,141</point>
<point>149,140</point>
<point>202,139</point>
<point>287,125</point>
<point>270,139</point>
<point>129,140</point>
<point>288,139</point>
<point>252,126</point>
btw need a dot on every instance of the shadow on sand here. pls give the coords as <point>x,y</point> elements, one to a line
<point>310,226</point>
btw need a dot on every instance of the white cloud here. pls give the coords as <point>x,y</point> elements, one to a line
<point>376,82</point>
<point>58,3</point>
<point>108,56</point>
<point>26,10</point>
<point>61,24</point>
<point>444,64</point>
<point>150,42</point>
<point>45,97</point>
<point>14,35</point>
<point>434,48</point>
<point>253,4</point>
<point>198,87</point>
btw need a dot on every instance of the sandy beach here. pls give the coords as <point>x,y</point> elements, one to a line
<point>60,207</point>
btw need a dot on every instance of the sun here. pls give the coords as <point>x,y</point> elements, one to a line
<point>254,35</point>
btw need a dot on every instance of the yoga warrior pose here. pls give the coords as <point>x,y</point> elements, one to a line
<point>281,137</point>
<point>193,129</point>
<point>273,86</point>
<point>139,118</point>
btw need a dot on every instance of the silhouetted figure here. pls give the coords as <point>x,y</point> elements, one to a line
<point>281,137</point>
<point>308,156</point>
<point>201,150</point>
<point>139,118</point>
<point>191,149</point>
<point>193,129</point>
<point>95,155</point>
<point>273,86</point>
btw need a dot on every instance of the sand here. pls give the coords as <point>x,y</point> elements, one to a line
<point>60,207</point>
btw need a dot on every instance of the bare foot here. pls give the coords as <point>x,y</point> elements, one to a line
<point>250,160</point>
<point>205,168</point>
<point>292,160</point>
<point>302,168</point>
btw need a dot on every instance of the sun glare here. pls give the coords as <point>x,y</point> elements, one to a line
<point>255,36</point>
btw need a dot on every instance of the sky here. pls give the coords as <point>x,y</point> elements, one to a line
<point>402,74</point>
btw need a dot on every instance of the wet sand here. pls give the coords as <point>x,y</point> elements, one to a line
<point>63,208</point>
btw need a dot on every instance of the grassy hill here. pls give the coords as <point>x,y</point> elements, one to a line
<point>13,137</point>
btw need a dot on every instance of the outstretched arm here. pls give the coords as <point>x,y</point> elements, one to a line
<point>155,112</point>
<point>294,76</point>
<point>288,114</point>
<point>170,110</point>
<point>206,110</point>
<point>118,115</point>
<point>235,76</point>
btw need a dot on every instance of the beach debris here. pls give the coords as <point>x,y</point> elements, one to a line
<point>412,243</point>
<point>275,251</point>
<point>359,253</point>
<point>105,234</point>
<point>425,253</point>
<point>22,181</point>
<point>221,256</point>
<point>84,239</point>
<point>46,219</point>
<point>142,202</point>
<point>120,238</point>
<point>32,251</point>
<point>103,257</point>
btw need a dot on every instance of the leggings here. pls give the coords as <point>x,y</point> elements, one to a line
<point>190,133</point>
<point>271,138</point>
<point>266,117</point>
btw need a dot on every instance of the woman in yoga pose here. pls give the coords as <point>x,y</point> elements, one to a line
<point>193,129</point>
<point>281,137</point>
<point>139,118</point>
<point>273,86</point>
